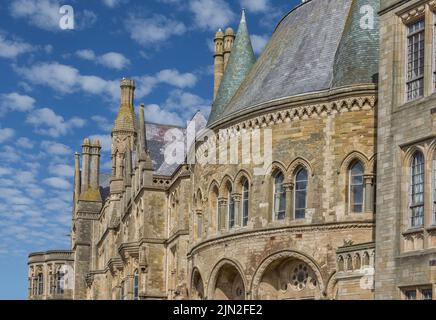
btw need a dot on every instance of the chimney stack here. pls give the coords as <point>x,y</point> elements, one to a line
<point>218,61</point>
<point>95,165</point>
<point>86,151</point>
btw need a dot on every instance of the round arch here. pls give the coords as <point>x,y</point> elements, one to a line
<point>298,261</point>
<point>227,281</point>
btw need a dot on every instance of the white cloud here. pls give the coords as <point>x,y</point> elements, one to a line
<point>61,170</point>
<point>175,78</point>
<point>47,122</point>
<point>15,102</point>
<point>55,148</point>
<point>86,54</point>
<point>4,171</point>
<point>153,30</point>
<point>256,6</point>
<point>67,79</point>
<point>112,60</point>
<point>186,104</point>
<point>259,42</point>
<point>57,183</point>
<point>25,143</point>
<point>211,14</point>
<point>105,141</point>
<point>103,123</point>
<point>45,15</point>
<point>158,115</point>
<point>11,49</point>
<point>111,3</point>
<point>6,134</point>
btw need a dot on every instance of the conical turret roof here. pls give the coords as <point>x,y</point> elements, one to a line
<point>241,60</point>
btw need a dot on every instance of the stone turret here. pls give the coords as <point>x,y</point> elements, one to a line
<point>229,39</point>
<point>218,61</point>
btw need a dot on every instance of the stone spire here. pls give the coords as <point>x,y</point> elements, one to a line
<point>124,134</point>
<point>240,62</point>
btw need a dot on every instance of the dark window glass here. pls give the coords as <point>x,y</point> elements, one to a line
<point>245,203</point>
<point>301,180</point>
<point>356,188</point>
<point>417,190</point>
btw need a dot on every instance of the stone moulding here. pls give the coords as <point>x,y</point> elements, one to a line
<point>367,101</point>
<point>278,230</point>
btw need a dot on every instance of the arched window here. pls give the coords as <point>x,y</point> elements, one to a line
<point>60,282</point>
<point>301,180</point>
<point>231,208</point>
<point>357,189</point>
<point>245,202</point>
<point>417,190</point>
<point>341,263</point>
<point>279,197</point>
<point>136,285</point>
<point>40,284</point>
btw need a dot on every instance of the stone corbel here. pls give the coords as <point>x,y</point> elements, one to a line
<point>413,14</point>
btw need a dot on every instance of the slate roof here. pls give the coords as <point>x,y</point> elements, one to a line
<point>318,46</point>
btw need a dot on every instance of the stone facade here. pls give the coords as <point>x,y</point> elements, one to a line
<point>157,230</point>
<point>406,255</point>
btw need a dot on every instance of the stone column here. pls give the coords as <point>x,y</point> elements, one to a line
<point>369,193</point>
<point>222,214</point>
<point>289,189</point>
<point>238,212</point>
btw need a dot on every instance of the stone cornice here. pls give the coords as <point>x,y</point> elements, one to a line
<point>309,100</point>
<point>288,111</point>
<point>367,224</point>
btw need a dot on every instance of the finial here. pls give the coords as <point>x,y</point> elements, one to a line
<point>243,15</point>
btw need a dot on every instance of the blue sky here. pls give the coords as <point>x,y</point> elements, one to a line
<point>59,86</point>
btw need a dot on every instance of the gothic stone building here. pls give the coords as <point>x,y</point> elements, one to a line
<point>306,228</point>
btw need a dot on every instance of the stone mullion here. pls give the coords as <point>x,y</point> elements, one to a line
<point>289,189</point>
<point>369,193</point>
<point>222,211</point>
<point>238,212</point>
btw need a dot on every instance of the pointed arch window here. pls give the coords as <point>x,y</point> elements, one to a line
<point>279,197</point>
<point>245,203</point>
<point>40,284</point>
<point>357,188</point>
<point>301,181</point>
<point>417,190</point>
<point>60,282</point>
